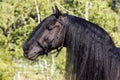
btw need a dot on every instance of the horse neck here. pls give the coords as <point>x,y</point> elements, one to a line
<point>84,54</point>
<point>73,33</point>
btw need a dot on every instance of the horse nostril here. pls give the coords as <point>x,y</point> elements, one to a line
<point>35,52</point>
<point>25,55</point>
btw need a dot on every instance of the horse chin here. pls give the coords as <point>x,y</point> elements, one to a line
<point>32,57</point>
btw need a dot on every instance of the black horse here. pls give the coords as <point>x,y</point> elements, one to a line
<point>91,53</point>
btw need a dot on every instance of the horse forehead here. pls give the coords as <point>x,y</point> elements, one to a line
<point>49,18</point>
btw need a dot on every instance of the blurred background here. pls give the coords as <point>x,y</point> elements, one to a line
<point>19,17</point>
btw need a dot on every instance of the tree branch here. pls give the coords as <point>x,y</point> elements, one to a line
<point>38,12</point>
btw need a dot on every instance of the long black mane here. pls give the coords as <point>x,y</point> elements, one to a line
<point>91,53</point>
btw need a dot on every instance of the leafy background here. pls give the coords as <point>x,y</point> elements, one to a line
<point>19,17</point>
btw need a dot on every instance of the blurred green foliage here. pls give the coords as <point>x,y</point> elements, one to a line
<point>19,17</point>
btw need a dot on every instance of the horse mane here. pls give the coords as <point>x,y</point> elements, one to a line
<point>91,53</point>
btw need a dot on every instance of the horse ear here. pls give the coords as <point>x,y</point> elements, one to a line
<point>56,11</point>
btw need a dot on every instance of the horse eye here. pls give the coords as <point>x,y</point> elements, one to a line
<point>49,27</point>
